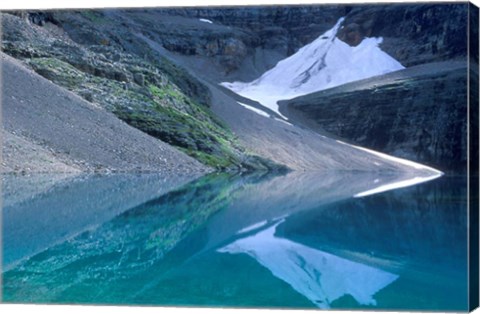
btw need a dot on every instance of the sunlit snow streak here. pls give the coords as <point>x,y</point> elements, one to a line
<point>326,62</point>
<point>283,121</point>
<point>256,110</point>
<point>432,172</point>
<point>320,276</point>
<point>397,185</point>
<point>206,21</point>
<point>253,227</point>
<point>405,162</point>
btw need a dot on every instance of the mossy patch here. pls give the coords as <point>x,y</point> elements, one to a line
<point>166,103</point>
<point>162,111</point>
<point>201,139</point>
<point>57,70</point>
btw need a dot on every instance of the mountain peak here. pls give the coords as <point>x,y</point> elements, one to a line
<point>325,63</point>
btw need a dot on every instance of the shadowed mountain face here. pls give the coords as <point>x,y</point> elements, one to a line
<point>418,114</point>
<point>258,37</point>
<point>413,34</point>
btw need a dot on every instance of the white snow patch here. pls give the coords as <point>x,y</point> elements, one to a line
<point>399,160</point>
<point>434,173</point>
<point>253,227</point>
<point>256,110</point>
<point>397,185</point>
<point>281,120</point>
<point>206,21</point>
<point>320,276</point>
<point>402,161</point>
<point>326,62</point>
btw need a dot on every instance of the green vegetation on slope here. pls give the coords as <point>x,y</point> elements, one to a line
<point>161,111</point>
<point>158,98</point>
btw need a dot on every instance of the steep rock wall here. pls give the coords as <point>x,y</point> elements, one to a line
<point>418,114</point>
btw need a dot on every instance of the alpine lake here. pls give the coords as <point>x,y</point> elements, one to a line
<point>293,240</point>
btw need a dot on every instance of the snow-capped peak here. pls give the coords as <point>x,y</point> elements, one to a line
<point>326,62</point>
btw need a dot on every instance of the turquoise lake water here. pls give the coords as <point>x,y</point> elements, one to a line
<point>300,240</point>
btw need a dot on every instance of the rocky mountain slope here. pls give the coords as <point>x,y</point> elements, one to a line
<point>116,61</point>
<point>155,97</point>
<point>159,69</point>
<point>73,133</point>
<point>413,35</point>
<point>431,122</point>
<point>241,43</point>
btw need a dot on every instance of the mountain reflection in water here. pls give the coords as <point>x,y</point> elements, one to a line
<point>319,276</point>
<point>297,240</point>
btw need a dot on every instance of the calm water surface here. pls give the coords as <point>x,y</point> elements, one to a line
<point>300,240</point>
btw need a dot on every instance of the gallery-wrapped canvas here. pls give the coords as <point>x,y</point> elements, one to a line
<point>290,156</point>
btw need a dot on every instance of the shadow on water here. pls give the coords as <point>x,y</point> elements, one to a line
<point>299,240</point>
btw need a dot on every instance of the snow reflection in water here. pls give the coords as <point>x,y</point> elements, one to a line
<point>319,276</point>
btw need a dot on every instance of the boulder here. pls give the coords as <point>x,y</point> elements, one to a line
<point>139,78</point>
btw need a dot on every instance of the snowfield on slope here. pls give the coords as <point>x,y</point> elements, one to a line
<point>325,63</point>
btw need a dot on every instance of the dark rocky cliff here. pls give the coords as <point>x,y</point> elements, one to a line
<point>260,36</point>
<point>286,28</point>
<point>418,114</point>
<point>413,34</point>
